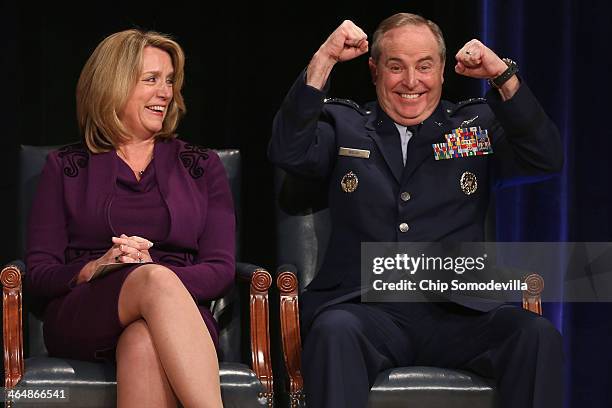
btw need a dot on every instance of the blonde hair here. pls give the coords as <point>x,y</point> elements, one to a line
<point>107,79</point>
<point>403,19</point>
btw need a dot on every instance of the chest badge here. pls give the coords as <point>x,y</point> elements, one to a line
<point>349,182</point>
<point>468,122</point>
<point>468,183</point>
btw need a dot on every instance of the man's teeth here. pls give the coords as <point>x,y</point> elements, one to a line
<point>410,96</point>
<point>157,108</point>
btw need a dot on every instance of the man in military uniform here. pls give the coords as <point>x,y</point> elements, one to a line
<point>395,174</point>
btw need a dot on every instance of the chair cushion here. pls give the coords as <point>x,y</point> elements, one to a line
<point>430,387</point>
<point>240,387</point>
<point>94,384</point>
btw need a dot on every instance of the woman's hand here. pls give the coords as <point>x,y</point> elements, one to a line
<point>125,249</point>
<point>88,270</point>
<point>133,249</point>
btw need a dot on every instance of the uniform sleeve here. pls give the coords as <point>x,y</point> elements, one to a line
<point>47,237</point>
<point>303,140</point>
<point>529,143</point>
<point>213,273</point>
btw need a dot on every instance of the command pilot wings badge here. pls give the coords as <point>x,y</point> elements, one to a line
<point>463,142</point>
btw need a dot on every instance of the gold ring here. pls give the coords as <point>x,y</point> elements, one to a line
<point>467,52</point>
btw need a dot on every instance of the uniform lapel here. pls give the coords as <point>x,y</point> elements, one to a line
<point>430,131</point>
<point>384,133</point>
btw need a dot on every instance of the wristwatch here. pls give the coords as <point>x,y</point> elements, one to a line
<point>498,81</point>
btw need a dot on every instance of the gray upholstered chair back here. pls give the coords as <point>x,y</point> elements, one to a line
<point>32,160</point>
<point>303,223</point>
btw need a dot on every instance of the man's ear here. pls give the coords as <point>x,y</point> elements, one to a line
<point>373,70</point>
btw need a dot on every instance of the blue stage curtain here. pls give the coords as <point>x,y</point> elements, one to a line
<point>563,50</point>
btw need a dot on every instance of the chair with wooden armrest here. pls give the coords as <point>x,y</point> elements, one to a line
<point>303,234</point>
<point>94,384</point>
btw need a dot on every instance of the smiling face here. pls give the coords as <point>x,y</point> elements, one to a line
<point>408,74</point>
<point>144,112</point>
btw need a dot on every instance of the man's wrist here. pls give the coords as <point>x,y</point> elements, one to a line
<point>498,81</point>
<point>319,69</point>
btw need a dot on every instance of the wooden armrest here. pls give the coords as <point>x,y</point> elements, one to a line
<point>532,300</point>
<point>287,283</point>
<point>12,324</point>
<point>260,330</point>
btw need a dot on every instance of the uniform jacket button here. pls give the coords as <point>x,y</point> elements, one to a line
<point>405,196</point>
<point>403,227</point>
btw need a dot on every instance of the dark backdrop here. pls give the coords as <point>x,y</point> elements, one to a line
<point>242,58</point>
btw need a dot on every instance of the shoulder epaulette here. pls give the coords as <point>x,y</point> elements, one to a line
<point>463,104</point>
<point>346,102</point>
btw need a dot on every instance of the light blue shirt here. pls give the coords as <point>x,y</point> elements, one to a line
<point>405,136</point>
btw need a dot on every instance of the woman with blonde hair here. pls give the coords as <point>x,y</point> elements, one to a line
<point>131,234</point>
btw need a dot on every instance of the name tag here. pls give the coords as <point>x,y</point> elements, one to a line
<point>347,151</point>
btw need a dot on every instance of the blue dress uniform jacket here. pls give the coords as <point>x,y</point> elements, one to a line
<point>425,195</point>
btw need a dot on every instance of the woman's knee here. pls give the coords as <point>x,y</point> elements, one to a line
<point>154,280</point>
<point>146,287</point>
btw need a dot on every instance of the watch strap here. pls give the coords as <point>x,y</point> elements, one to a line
<point>501,79</point>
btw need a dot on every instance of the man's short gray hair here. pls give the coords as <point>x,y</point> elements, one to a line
<point>404,19</point>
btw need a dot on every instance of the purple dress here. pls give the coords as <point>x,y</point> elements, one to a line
<point>182,203</point>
